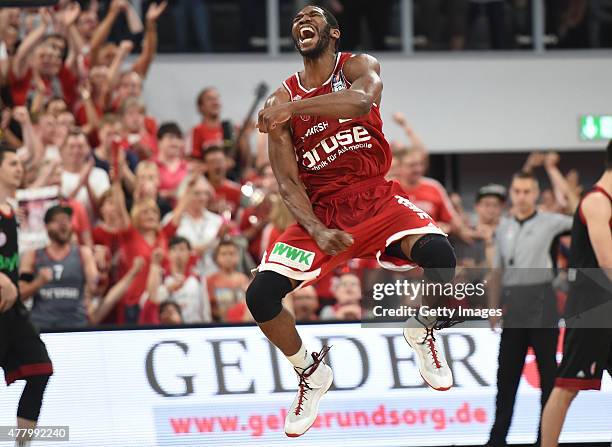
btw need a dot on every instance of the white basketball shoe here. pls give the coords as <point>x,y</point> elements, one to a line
<point>314,381</point>
<point>430,356</point>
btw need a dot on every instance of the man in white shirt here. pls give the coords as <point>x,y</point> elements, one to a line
<point>80,179</point>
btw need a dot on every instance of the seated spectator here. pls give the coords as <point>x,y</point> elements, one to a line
<point>146,186</point>
<point>170,313</point>
<point>80,179</point>
<point>305,304</point>
<point>139,235</point>
<point>58,276</point>
<point>225,288</point>
<point>347,292</point>
<point>202,228</point>
<point>178,283</point>
<point>227,193</point>
<point>170,160</point>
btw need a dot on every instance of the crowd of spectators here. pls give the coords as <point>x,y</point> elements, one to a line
<point>125,220</point>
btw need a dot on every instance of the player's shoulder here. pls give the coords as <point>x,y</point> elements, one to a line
<point>596,203</point>
<point>356,64</point>
<point>280,96</point>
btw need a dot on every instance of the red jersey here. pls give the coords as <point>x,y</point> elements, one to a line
<point>431,197</point>
<point>63,85</point>
<point>333,153</point>
<point>204,136</point>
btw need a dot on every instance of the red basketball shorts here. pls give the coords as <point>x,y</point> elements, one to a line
<point>375,212</point>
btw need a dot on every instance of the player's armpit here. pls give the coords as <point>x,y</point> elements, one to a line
<point>597,213</point>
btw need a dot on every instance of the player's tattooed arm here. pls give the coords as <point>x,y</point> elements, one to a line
<point>291,188</point>
<point>362,71</point>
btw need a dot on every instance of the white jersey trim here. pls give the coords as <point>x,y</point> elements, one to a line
<point>297,76</point>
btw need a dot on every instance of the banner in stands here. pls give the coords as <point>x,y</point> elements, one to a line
<point>227,386</point>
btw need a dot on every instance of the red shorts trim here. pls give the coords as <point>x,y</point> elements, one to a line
<point>578,384</point>
<point>33,369</point>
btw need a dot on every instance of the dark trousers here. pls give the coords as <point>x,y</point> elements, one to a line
<point>512,351</point>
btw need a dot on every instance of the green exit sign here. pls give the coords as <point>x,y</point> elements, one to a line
<point>596,127</point>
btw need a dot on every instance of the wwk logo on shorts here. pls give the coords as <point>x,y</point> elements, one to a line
<point>291,256</point>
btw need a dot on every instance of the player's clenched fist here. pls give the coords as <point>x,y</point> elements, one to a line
<point>332,241</point>
<point>270,117</point>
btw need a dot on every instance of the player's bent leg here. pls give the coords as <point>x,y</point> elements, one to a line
<point>264,299</point>
<point>554,415</point>
<point>436,256</point>
<point>30,404</point>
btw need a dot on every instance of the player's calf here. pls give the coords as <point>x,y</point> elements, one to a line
<point>436,256</point>
<point>30,405</point>
<point>264,299</point>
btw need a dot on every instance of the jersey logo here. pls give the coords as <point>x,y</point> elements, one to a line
<point>291,256</point>
<point>329,148</point>
<point>338,83</point>
<point>344,120</point>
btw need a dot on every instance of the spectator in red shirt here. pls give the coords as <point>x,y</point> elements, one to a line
<point>170,161</point>
<point>227,193</point>
<point>210,131</point>
<point>106,231</point>
<point>226,288</point>
<point>44,73</point>
<point>139,235</point>
<point>428,194</point>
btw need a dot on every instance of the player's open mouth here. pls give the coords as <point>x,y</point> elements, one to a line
<point>307,34</point>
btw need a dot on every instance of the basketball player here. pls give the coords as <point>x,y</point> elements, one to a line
<point>22,353</point>
<point>330,157</point>
<point>587,347</point>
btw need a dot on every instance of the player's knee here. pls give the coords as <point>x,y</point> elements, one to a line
<point>265,295</point>
<point>436,256</point>
<point>32,397</point>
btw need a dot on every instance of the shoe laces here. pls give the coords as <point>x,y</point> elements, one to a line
<point>304,374</point>
<point>430,340</point>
